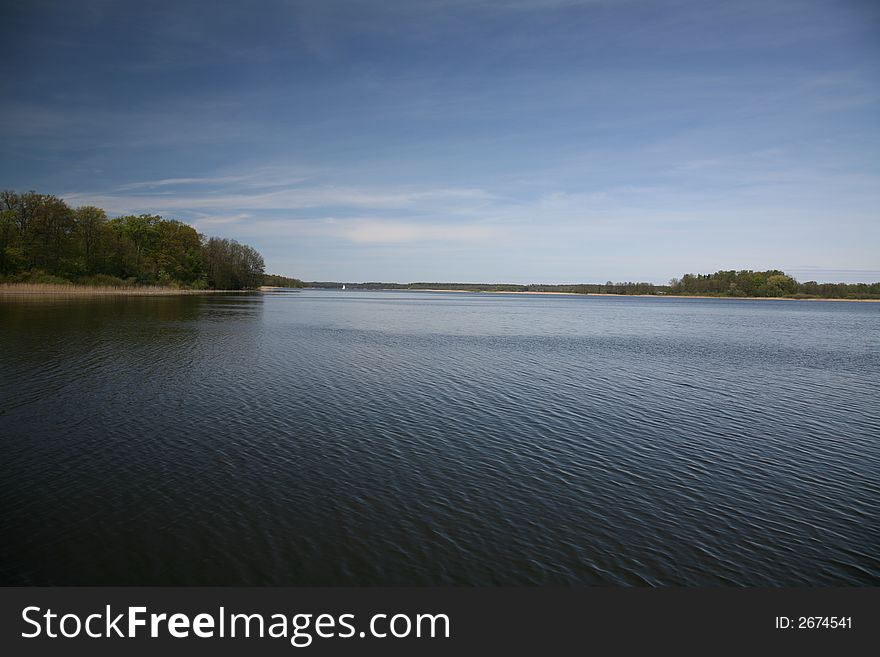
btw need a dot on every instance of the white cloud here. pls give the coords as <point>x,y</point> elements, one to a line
<point>256,197</point>
<point>392,232</point>
<point>168,182</point>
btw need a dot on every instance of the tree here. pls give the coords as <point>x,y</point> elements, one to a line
<point>232,266</point>
<point>90,230</point>
<point>178,254</point>
<point>40,235</point>
<point>142,233</point>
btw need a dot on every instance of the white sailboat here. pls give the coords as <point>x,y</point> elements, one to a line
<point>343,286</point>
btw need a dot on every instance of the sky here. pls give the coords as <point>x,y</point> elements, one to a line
<point>527,141</point>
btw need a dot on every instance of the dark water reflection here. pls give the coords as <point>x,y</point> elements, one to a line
<point>403,438</point>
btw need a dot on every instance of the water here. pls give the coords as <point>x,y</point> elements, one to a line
<point>423,438</point>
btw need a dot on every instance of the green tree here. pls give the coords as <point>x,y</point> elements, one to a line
<point>90,225</point>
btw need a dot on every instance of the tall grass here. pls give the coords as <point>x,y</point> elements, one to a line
<point>92,290</point>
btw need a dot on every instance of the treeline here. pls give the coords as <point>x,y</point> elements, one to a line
<point>744,283</point>
<point>465,287</point>
<point>770,283</point>
<point>469,287</point>
<point>43,240</point>
<point>275,280</point>
<point>607,288</point>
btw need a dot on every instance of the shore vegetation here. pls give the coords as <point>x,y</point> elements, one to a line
<point>45,242</point>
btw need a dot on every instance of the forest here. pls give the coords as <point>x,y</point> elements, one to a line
<point>43,240</point>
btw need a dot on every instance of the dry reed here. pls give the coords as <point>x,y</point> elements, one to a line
<point>92,290</point>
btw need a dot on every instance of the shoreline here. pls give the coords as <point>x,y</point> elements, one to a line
<point>574,294</point>
<point>638,296</point>
<point>74,290</point>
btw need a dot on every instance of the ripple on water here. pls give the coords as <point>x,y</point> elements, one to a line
<point>322,438</point>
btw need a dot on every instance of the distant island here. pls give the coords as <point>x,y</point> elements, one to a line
<point>44,242</point>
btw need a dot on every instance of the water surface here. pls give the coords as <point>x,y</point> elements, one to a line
<point>327,437</point>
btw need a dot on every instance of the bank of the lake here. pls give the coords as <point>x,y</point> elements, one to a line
<point>72,290</point>
<point>623,296</point>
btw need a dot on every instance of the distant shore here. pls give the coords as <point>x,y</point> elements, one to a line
<point>723,284</point>
<point>59,290</point>
<point>706,296</point>
<point>640,296</point>
<point>415,289</point>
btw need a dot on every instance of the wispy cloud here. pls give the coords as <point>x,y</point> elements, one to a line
<point>175,182</point>
<point>377,231</point>
<point>547,139</point>
<point>292,198</point>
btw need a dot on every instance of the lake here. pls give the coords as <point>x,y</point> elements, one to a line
<point>404,438</point>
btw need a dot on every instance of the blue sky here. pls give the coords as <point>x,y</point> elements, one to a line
<point>450,140</point>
